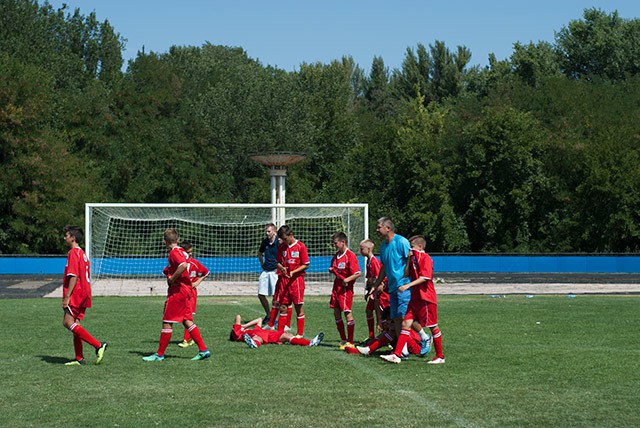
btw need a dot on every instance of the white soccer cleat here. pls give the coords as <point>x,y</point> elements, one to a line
<point>316,340</point>
<point>392,358</point>
<point>436,360</point>
<point>364,350</point>
<point>249,341</point>
<point>287,328</point>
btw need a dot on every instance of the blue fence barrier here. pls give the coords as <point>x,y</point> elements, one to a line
<point>12,265</point>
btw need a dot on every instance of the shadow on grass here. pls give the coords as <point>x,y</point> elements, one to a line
<point>166,356</point>
<point>49,359</point>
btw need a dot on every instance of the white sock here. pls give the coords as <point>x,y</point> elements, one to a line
<point>423,335</point>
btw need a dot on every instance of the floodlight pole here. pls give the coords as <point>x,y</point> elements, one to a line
<point>277,163</point>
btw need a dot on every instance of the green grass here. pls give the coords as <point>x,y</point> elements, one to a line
<point>549,360</point>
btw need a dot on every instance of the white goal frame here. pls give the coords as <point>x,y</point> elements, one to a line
<point>106,284</point>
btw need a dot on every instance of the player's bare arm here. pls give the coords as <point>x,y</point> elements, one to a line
<point>412,284</point>
<point>72,284</point>
<point>378,284</point>
<point>172,279</point>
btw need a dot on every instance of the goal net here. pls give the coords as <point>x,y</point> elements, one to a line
<point>124,242</point>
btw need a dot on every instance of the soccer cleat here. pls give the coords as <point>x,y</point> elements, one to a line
<point>426,346</point>
<point>316,340</point>
<point>287,328</point>
<point>268,327</point>
<point>364,350</point>
<point>76,363</point>
<point>202,355</point>
<point>154,357</point>
<point>392,358</point>
<point>186,343</point>
<point>249,341</point>
<point>345,344</point>
<point>436,360</point>
<point>100,352</point>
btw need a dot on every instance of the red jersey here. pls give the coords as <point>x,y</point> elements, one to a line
<point>177,256</point>
<point>343,266</point>
<point>78,265</point>
<point>421,266</point>
<point>292,257</point>
<point>196,270</point>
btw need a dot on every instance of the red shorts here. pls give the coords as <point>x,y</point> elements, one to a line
<point>267,336</point>
<point>194,300</point>
<point>423,312</point>
<point>341,297</point>
<point>77,313</point>
<point>177,307</point>
<point>383,301</point>
<point>293,291</point>
<point>280,284</point>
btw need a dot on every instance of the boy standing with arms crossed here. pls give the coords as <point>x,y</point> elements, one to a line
<point>177,307</point>
<point>344,265</point>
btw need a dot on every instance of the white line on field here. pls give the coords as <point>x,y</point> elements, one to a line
<point>414,396</point>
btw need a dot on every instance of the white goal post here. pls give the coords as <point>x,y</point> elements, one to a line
<point>124,241</point>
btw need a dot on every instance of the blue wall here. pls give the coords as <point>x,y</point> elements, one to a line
<point>443,263</point>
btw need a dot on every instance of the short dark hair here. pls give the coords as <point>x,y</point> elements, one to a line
<point>186,245</point>
<point>271,225</point>
<point>340,236</point>
<point>284,231</point>
<point>74,231</point>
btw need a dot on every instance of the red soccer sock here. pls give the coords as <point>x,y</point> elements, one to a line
<point>371,325</point>
<point>289,314</point>
<point>282,321</point>
<point>383,340</point>
<point>165,338</point>
<point>300,341</point>
<point>340,327</point>
<point>351,326</point>
<point>300,325</point>
<point>405,334</point>
<point>273,315</point>
<point>77,347</point>
<point>194,331</point>
<point>437,341</point>
<point>84,335</point>
<point>186,336</point>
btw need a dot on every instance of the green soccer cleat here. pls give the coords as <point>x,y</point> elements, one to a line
<point>100,352</point>
<point>154,357</point>
<point>76,363</point>
<point>202,355</point>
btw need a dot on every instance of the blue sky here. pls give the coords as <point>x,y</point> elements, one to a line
<point>285,33</point>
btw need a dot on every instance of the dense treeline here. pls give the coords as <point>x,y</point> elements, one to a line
<point>538,152</point>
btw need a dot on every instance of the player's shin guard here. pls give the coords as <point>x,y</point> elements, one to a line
<point>289,314</point>
<point>84,335</point>
<point>340,327</point>
<point>165,338</point>
<point>273,315</point>
<point>300,325</point>
<point>282,321</point>
<point>77,347</point>
<point>351,326</point>
<point>437,341</point>
<point>194,331</point>
<point>371,325</point>
<point>300,341</point>
<point>405,335</point>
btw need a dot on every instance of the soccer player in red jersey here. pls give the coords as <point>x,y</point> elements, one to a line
<point>197,273</point>
<point>292,260</point>
<point>345,267</point>
<point>257,336</point>
<point>177,307</point>
<point>76,296</point>
<point>422,310</point>
<point>412,347</point>
<point>377,301</point>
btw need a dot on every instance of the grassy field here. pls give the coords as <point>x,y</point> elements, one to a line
<point>514,361</point>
